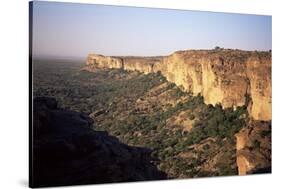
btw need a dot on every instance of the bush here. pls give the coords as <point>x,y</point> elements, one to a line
<point>265,133</point>
<point>206,147</point>
<point>191,116</point>
<point>256,144</point>
<point>218,48</point>
<point>177,93</point>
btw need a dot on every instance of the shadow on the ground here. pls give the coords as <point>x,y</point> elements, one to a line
<point>67,151</point>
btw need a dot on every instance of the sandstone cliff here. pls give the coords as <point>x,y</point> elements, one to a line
<point>228,77</point>
<point>254,148</point>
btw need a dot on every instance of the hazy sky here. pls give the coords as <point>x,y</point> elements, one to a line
<point>74,30</point>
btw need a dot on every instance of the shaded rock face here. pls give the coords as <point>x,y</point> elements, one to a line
<point>253,145</point>
<point>228,77</point>
<point>67,151</point>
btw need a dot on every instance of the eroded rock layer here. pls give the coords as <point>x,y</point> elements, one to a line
<point>228,77</point>
<point>254,148</point>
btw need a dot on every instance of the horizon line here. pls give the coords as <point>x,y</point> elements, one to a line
<point>130,55</point>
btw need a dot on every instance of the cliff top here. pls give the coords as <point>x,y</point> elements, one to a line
<point>236,54</point>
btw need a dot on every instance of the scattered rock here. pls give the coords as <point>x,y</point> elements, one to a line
<point>253,145</point>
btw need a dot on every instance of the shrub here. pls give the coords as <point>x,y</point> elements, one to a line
<point>217,48</point>
<point>265,133</point>
<point>177,93</point>
<point>206,147</point>
<point>256,144</point>
<point>191,116</point>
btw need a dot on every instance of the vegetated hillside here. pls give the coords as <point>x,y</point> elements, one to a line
<point>67,151</point>
<point>187,137</point>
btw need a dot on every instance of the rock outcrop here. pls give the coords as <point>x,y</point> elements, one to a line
<point>254,148</point>
<point>228,77</point>
<point>67,151</point>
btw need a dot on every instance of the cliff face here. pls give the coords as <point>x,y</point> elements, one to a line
<point>144,65</point>
<point>229,77</point>
<point>100,61</point>
<point>259,73</point>
<point>254,148</point>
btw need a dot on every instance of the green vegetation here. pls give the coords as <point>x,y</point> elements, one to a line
<point>111,96</point>
<point>265,133</point>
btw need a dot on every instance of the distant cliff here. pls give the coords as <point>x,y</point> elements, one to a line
<point>228,77</point>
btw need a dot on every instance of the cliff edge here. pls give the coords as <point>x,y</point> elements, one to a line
<point>228,77</point>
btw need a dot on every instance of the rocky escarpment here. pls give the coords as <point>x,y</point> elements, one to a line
<point>66,151</point>
<point>228,77</point>
<point>254,148</point>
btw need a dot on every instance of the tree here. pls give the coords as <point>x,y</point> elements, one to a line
<point>217,48</point>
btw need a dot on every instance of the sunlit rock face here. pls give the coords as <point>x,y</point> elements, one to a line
<point>259,74</point>
<point>182,70</point>
<point>228,77</point>
<point>100,61</point>
<point>142,64</point>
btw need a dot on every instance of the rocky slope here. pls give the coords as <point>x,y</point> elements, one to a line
<point>254,148</point>
<point>228,77</point>
<point>66,151</point>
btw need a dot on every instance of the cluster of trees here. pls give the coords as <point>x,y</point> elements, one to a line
<point>167,144</point>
